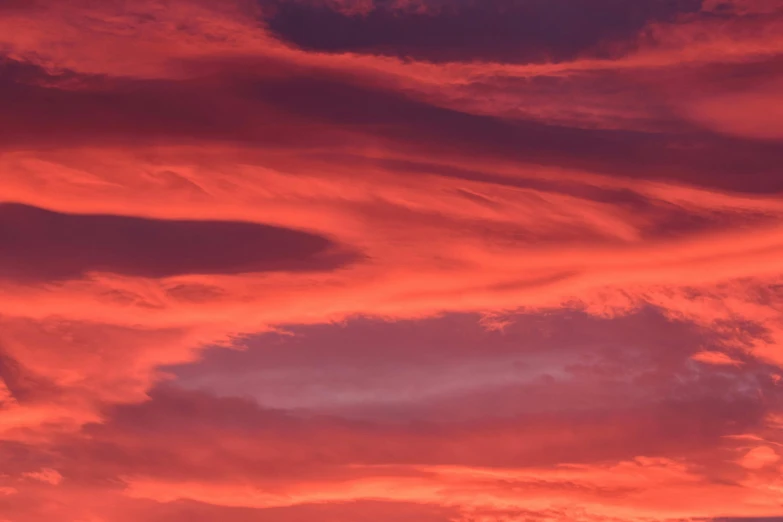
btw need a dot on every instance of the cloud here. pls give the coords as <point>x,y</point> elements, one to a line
<point>496,30</point>
<point>709,357</point>
<point>43,245</point>
<point>286,461</point>
<point>258,269</point>
<point>302,109</point>
<point>49,476</point>
<point>72,109</point>
<point>759,457</point>
<point>753,113</point>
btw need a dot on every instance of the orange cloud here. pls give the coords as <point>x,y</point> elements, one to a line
<point>714,358</point>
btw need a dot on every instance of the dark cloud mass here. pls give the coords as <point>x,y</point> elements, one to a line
<point>632,390</point>
<point>494,30</point>
<point>691,155</point>
<point>43,245</point>
<point>273,106</point>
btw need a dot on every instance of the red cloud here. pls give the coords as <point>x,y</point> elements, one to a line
<point>191,173</point>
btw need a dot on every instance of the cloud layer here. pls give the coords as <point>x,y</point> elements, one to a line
<point>441,261</point>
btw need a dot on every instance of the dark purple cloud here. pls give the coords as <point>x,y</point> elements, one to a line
<point>691,155</point>
<point>570,386</point>
<point>493,30</point>
<point>45,109</point>
<point>272,446</point>
<point>300,109</point>
<point>42,245</point>
<point>73,109</point>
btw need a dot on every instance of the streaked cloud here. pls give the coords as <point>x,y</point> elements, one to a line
<point>394,260</point>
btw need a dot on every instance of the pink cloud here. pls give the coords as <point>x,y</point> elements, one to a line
<point>408,262</point>
<point>49,476</point>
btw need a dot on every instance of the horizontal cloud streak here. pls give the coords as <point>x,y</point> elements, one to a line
<point>44,245</point>
<point>494,30</point>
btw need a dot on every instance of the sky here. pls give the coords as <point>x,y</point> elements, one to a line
<point>391,260</point>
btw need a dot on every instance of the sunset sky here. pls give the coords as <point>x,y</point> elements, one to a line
<point>391,260</point>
